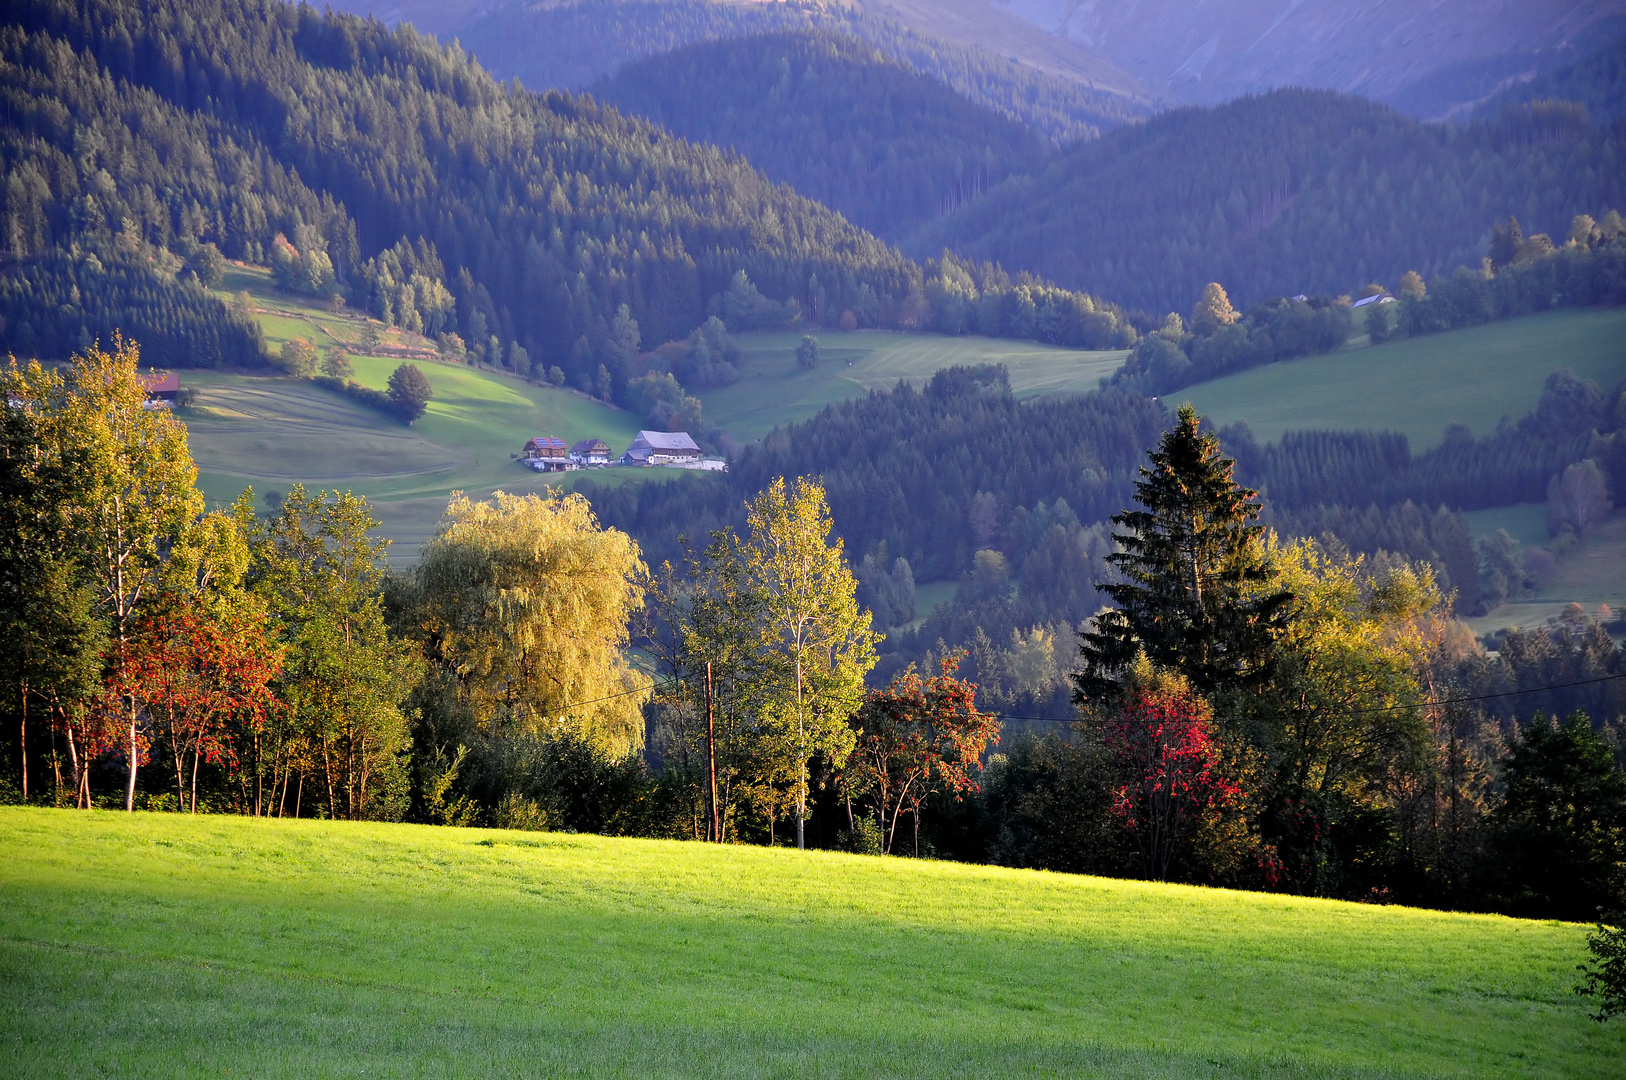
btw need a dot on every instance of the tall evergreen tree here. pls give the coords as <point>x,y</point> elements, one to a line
<point>1191,569</point>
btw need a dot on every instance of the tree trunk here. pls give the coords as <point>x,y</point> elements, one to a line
<point>801,763</point>
<point>135,757</point>
<point>327,773</point>
<point>73,768</point>
<point>711,761</point>
<point>22,736</point>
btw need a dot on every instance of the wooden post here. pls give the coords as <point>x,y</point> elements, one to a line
<point>711,761</point>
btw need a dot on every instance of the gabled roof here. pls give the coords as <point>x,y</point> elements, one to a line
<point>161,382</point>
<point>589,446</point>
<point>546,442</point>
<point>667,440</point>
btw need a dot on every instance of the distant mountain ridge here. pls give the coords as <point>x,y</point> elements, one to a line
<point>1375,48</point>
<point>1052,86</point>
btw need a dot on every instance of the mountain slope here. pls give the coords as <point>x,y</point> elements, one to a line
<point>568,45</point>
<point>187,122</point>
<point>1295,191</point>
<point>1597,81</point>
<point>1212,52</point>
<point>829,115</point>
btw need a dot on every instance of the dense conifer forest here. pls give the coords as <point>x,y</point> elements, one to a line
<point>835,119</point>
<point>1291,192</point>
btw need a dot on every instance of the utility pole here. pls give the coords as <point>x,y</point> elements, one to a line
<point>711,760</point>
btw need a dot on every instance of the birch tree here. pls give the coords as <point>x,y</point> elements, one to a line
<point>139,498</point>
<point>815,644</point>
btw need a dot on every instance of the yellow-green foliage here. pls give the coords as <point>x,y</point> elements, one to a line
<point>150,945</point>
<point>528,600</point>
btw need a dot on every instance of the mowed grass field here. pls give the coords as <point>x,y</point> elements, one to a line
<point>162,945</point>
<point>270,433</point>
<point>772,390</point>
<point>1419,385</point>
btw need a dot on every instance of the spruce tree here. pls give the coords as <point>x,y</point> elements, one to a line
<point>1191,593</point>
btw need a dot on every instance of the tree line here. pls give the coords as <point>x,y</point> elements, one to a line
<point>1247,710</point>
<point>160,655</point>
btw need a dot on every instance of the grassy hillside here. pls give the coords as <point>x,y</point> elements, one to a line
<point>162,945</point>
<point>1419,385</point>
<point>273,432</point>
<point>772,390</point>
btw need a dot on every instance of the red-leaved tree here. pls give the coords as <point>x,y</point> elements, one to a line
<point>204,682</point>
<point>916,737</point>
<point>1162,740</point>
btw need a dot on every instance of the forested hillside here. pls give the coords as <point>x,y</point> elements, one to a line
<point>568,46</point>
<point>1286,193</point>
<point>1597,81</point>
<point>832,117</point>
<point>542,213</point>
<point>545,232</point>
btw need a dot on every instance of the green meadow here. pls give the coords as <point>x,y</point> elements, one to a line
<point>162,945</point>
<point>772,390</point>
<point>1419,385</point>
<point>270,433</point>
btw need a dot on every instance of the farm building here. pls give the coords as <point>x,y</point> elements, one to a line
<point>591,453</point>
<point>162,388</point>
<point>546,453</point>
<point>662,448</point>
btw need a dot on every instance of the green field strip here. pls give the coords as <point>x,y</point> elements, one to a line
<point>1419,385</point>
<point>165,945</point>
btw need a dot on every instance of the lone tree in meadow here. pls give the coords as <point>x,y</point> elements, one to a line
<point>409,392</point>
<point>1192,572</point>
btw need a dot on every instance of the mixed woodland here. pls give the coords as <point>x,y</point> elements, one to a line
<point>1291,192</point>
<point>1244,709</point>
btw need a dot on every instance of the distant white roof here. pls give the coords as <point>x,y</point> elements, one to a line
<point>1380,298</point>
<point>667,440</point>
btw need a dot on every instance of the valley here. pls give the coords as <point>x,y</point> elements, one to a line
<point>1129,577</point>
